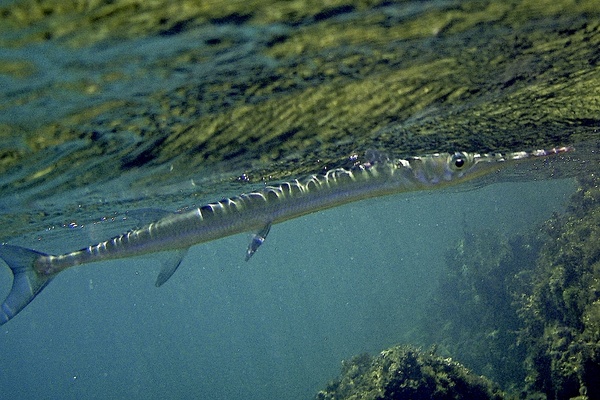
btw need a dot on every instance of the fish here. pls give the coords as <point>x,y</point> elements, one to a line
<point>254,212</point>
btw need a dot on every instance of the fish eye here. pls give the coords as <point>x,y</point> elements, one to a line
<point>458,160</point>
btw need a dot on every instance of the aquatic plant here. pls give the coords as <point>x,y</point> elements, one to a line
<point>524,311</point>
<point>561,310</point>
<point>533,297</point>
<point>404,372</point>
<point>471,315</point>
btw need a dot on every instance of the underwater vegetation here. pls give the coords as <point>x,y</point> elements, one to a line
<point>525,311</point>
<point>403,372</point>
<point>522,311</point>
<point>472,315</point>
<point>561,310</point>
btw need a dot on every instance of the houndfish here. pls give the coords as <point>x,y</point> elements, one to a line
<point>256,211</point>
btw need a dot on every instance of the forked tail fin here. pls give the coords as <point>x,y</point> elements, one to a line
<point>27,282</point>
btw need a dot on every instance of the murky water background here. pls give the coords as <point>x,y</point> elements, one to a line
<point>108,108</point>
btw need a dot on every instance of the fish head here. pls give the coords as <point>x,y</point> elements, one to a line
<point>451,168</point>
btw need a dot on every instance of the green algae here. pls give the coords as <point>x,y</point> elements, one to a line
<point>561,310</point>
<point>524,310</point>
<point>404,372</point>
<point>472,315</point>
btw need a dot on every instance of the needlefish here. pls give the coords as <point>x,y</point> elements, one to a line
<point>255,211</point>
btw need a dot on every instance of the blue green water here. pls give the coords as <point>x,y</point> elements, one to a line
<point>321,289</point>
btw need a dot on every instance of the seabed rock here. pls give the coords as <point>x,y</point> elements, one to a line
<point>404,372</point>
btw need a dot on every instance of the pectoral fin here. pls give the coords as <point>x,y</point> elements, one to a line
<point>257,239</point>
<point>170,262</point>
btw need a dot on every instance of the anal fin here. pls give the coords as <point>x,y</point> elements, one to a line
<point>257,239</point>
<point>170,262</point>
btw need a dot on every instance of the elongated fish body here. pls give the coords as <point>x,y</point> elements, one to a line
<point>255,211</point>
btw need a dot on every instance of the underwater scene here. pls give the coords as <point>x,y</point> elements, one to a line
<point>364,199</point>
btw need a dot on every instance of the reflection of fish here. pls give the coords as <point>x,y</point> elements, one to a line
<point>256,211</point>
